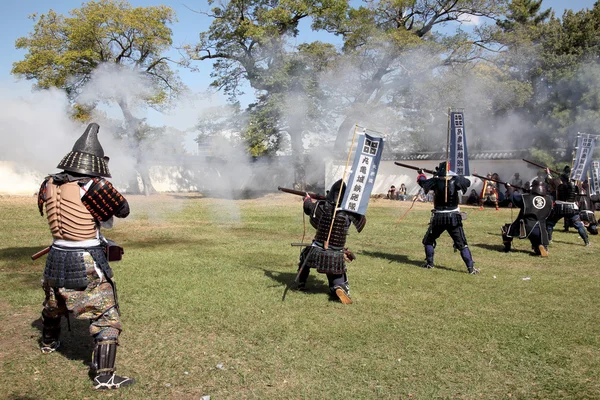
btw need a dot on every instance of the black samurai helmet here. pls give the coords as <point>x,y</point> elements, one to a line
<point>87,156</point>
<point>334,192</point>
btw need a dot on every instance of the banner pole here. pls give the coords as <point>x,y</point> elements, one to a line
<point>326,245</point>
<point>447,158</point>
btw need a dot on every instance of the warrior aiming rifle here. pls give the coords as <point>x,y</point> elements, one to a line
<point>301,193</point>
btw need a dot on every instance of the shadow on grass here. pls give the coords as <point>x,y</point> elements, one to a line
<point>13,253</point>
<point>76,344</point>
<point>401,258</point>
<point>500,248</point>
<point>313,285</point>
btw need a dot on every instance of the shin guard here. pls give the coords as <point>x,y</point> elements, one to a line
<point>50,334</point>
<point>429,252</point>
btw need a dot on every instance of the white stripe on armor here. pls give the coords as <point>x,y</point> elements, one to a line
<point>77,244</point>
<point>457,209</point>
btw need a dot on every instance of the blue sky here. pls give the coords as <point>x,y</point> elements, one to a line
<point>16,24</point>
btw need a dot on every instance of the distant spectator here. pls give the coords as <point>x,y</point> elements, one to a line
<point>473,198</point>
<point>402,192</point>
<point>392,193</point>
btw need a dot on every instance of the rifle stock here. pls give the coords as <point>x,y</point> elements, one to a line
<point>301,193</point>
<point>429,171</point>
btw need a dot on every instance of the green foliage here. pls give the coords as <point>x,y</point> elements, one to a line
<point>63,51</point>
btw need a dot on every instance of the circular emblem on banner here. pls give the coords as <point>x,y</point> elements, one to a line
<point>539,202</point>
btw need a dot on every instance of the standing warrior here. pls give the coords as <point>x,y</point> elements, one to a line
<point>331,260</point>
<point>489,193</point>
<point>565,203</point>
<point>446,214</point>
<point>77,277</point>
<point>535,207</point>
<point>587,205</point>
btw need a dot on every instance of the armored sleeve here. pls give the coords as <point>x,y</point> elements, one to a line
<point>517,199</point>
<point>103,201</point>
<point>462,183</point>
<point>553,182</point>
<point>42,196</point>
<point>309,206</point>
<point>427,184</point>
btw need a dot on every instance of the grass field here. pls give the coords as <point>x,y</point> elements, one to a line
<point>202,285</point>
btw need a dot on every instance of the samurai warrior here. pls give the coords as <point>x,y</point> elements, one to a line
<point>489,193</point>
<point>78,280</point>
<point>446,214</point>
<point>535,207</point>
<point>587,205</point>
<point>329,259</point>
<point>565,205</point>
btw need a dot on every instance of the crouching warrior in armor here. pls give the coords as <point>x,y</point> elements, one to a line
<point>77,277</point>
<point>535,207</point>
<point>330,260</point>
<point>565,205</point>
<point>446,214</point>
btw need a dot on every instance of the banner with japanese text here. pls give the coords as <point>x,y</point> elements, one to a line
<point>459,156</point>
<point>594,177</point>
<point>363,174</point>
<point>583,156</point>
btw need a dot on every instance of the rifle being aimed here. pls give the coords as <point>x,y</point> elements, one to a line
<point>429,171</point>
<point>483,178</point>
<point>544,167</point>
<point>301,193</point>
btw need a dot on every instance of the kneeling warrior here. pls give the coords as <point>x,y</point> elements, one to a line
<point>331,260</point>
<point>565,205</point>
<point>535,207</point>
<point>77,277</point>
<point>446,214</point>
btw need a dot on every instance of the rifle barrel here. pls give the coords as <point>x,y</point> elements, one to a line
<point>429,171</point>
<point>494,180</point>
<point>315,196</point>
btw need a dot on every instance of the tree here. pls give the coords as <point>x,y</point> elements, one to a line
<point>558,58</point>
<point>381,39</point>
<point>249,41</point>
<point>63,52</point>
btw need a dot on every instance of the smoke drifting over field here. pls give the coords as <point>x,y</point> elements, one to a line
<point>36,132</point>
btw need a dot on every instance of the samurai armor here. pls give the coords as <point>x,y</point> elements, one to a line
<point>447,219</point>
<point>326,261</point>
<point>67,217</point>
<point>66,268</point>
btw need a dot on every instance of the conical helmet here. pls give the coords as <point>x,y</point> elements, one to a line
<point>87,156</point>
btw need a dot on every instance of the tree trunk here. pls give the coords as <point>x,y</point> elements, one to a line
<point>132,125</point>
<point>298,157</point>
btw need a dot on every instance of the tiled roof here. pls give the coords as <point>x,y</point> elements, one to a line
<point>473,155</point>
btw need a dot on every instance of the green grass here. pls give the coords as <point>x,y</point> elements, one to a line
<point>202,284</point>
